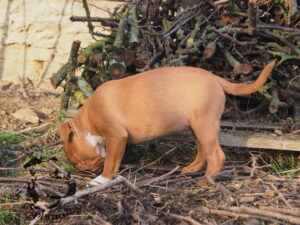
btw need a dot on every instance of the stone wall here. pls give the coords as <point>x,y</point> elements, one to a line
<point>36,35</point>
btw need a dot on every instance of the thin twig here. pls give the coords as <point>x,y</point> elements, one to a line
<point>290,171</point>
<point>155,161</point>
<point>126,19</point>
<point>254,163</point>
<point>282,39</point>
<point>36,219</point>
<point>41,205</point>
<point>90,25</point>
<point>226,36</point>
<point>180,24</point>
<point>151,62</point>
<point>155,179</point>
<point>184,218</point>
<point>281,195</point>
<point>276,27</point>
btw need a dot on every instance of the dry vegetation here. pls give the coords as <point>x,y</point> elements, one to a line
<point>233,39</point>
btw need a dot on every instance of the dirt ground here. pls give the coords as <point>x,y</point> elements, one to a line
<point>44,102</point>
<point>246,192</point>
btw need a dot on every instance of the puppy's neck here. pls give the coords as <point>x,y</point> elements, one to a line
<point>98,143</point>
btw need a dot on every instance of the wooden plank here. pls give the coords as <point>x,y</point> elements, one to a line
<point>250,125</point>
<point>258,140</point>
<point>244,139</point>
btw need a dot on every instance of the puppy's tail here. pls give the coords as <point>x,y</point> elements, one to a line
<point>243,89</point>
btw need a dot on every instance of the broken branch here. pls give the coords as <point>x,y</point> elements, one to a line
<point>118,180</point>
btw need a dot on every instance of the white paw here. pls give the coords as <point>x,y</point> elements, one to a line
<point>98,180</point>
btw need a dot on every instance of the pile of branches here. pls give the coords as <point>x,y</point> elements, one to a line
<point>233,39</point>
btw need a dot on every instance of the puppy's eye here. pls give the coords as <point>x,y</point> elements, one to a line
<point>71,135</point>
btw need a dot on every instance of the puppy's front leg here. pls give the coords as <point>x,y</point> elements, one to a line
<point>115,147</point>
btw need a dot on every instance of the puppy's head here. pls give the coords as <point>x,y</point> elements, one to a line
<point>79,151</point>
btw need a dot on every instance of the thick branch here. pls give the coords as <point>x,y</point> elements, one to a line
<point>118,180</point>
<point>283,40</point>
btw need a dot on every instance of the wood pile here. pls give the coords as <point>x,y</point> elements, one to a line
<point>233,39</point>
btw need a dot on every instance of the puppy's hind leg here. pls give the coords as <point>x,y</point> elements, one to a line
<point>199,129</point>
<point>206,133</point>
<point>212,150</point>
<point>199,161</point>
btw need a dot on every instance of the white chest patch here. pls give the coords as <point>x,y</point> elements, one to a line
<point>98,143</point>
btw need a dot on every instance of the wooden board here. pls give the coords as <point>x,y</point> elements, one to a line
<point>242,125</point>
<point>260,140</point>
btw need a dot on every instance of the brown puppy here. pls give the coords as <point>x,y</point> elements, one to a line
<point>150,104</point>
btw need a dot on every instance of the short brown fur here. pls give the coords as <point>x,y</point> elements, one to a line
<point>150,104</point>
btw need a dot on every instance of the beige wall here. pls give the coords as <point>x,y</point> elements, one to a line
<point>36,35</point>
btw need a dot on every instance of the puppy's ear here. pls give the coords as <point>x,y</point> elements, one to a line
<point>65,132</point>
<point>71,135</point>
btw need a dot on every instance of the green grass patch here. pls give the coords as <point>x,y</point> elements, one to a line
<point>6,215</point>
<point>9,138</point>
<point>285,162</point>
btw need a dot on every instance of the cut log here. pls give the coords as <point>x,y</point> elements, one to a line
<point>210,50</point>
<point>140,61</point>
<point>97,60</point>
<point>93,48</point>
<point>116,68</point>
<point>59,76</point>
<point>122,53</point>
